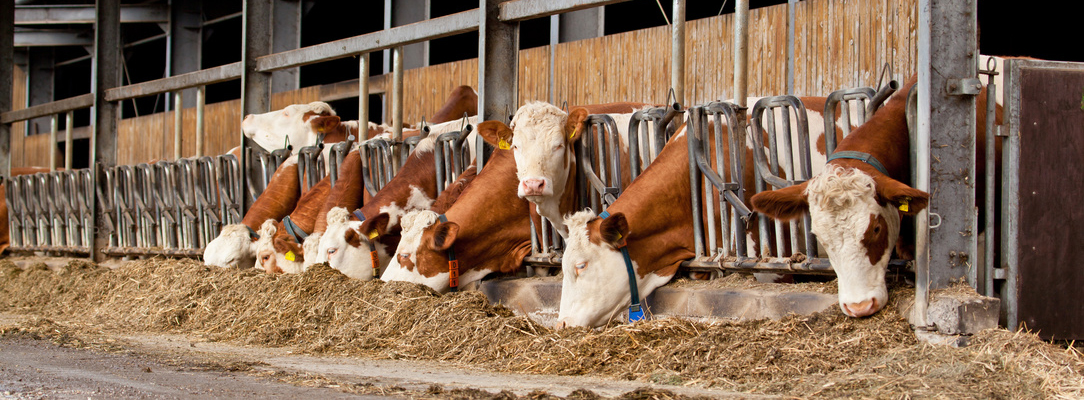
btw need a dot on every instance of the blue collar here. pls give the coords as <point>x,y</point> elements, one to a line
<point>860,156</point>
<point>294,230</point>
<point>359,215</point>
<point>636,311</point>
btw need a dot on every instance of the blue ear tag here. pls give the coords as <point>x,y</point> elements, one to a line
<point>636,313</point>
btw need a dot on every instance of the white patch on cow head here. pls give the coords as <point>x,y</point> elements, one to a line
<point>269,260</point>
<point>845,215</point>
<point>595,288</point>
<point>271,129</point>
<point>353,261</point>
<point>417,200</point>
<point>311,247</point>
<point>403,264</point>
<point>233,248</point>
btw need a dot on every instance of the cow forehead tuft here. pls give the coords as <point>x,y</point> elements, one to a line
<point>537,113</point>
<point>838,187</point>
<point>577,228</point>
<point>418,219</point>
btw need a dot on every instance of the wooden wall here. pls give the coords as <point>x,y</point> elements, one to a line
<point>838,44</point>
<point>27,151</point>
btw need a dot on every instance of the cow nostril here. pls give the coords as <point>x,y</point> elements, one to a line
<point>862,309</point>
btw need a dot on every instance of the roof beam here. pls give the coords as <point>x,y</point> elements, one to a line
<point>49,15</point>
<point>521,10</point>
<point>52,38</point>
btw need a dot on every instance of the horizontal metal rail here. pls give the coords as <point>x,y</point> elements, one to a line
<point>202,77</point>
<point>520,10</point>
<point>47,109</point>
<point>435,28</point>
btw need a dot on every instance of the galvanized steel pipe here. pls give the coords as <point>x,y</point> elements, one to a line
<point>741,52</point>
<point>201,102</point>
<point>69,120</point>
<point>921,164</point>
<point>177,124</point>
<point>397,103</point>
<point>52,142</point>
<point>363,97</point>
<point>677,52</point>
<point>991,192</point>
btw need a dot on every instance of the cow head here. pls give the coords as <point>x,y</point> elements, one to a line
<point>276,255</point>
<point>301,123</point>
<point>543,147</point>
<point>856,217</point>
<point>346,245</point>
<point>233,248</point>
<point>595,288</point>
<point>413,260</point>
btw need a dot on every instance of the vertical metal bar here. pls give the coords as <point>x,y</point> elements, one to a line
<point>52,142</point>
<point>677,52</point>
<point>178,123</point>
<point>741,51</point>
<point>7,73</point>
<point>255,85</point>
<point>695,114</point>
<point>791,17</point>
<point>991,190</point>
<point>498,66</point>
<point>68,122</point>
<point>105,72</point>
<point>201,103</point>
<point>921,146</point>
<point>363,97</point>
<point>397,103</point>
<point>555,33</point>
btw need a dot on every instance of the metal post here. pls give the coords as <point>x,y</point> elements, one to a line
<point>105,74</point>
<point>397,104</point>
<point>948,76</point>
<point>555,33</point>
<point>363,96</point>
<point>255,85</point>
<point>68,122</point>
<point>52,141</point>
<point>201,102</point>
<point>677,52</point>
<point>741,52</point>
<point>7,73</point>
<point>791,17</point>
<point>498,65</point>
<point>178,121</point>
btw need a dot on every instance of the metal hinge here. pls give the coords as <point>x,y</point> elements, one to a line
<point>963,87</point>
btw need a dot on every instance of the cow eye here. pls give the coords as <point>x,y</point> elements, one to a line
<point>877,229</point>
<point>332,251</point>
<point>404,256</point>
<point>559,147</point>
<point>265,257</point>
<point>580,267</point>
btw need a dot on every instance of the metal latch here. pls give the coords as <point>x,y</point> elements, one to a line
<point>964,87</point>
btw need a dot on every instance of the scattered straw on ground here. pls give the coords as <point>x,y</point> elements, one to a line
<point>324,312</point>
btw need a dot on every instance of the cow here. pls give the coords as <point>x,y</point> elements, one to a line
<point>856,208</point>
<point>544,145</point>
<point>653,219</point>
<point>279,247</point>
<point>413,188</point>
<point>234,246</point>
<point>487,228</point>
<point>298,125</point>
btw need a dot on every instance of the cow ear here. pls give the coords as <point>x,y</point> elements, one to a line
<point>613,230</point>
<point>574,127</point>
<point>324,124</point>
<point>352,238</point>
<point>907,199</point>
<point>375,227</point>
<point>444,235</point>
<point>495,132</point>
<point>283,246</point>
<point>784,204</point>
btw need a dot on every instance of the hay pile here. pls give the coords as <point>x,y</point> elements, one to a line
<point>322,311</point>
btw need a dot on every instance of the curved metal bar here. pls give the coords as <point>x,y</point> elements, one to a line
<point>861,96</point>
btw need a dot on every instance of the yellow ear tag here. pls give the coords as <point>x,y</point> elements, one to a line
<point>619,236</point>
<point>373,235</point>
<point>574,132</point>
<point>290,256</point>
<point>503,145</point>
<point>904,207</point>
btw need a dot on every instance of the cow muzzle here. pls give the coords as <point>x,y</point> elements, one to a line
<point>862,309</point>
<point>533,187</point>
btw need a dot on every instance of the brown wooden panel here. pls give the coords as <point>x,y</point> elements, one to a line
<point>1051,292</point>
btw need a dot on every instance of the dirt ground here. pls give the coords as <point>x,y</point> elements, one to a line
<point>322,329</point>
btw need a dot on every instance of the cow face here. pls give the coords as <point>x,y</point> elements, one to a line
<point>233,248</point>
<point>543,148</point>
<point>276,255</point>
<point>344,247</point>
<point>405,265</point>
<point>856,217</point>
<point>300,123</point>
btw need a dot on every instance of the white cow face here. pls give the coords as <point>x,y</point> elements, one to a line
<point>273,255</point>
<point>233,248</point>
<point>342,246</point>
<point>856,218</point>
<point>301,123</point>
<point>404,264</point>
<point>543,146</point>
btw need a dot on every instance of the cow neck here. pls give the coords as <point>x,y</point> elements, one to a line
<point>419,171</point>
<point>463,100</point>
<point>884,137</point>
<point>656,207</point>
<point>278,200</point>
<point>300,223</point>
<point>340,133</point>
<point>347,192</point>
<point>494,228</point>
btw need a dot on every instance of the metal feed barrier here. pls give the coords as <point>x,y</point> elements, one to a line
<point>51,212</point>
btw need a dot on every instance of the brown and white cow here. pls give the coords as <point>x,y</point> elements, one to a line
<point>856,209</point>
<point>544,146</point>
<point>488,227</point>
<point>413,188</point>
<point>234,246</point>
<point>299,125</point>
<point>653,218</point>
